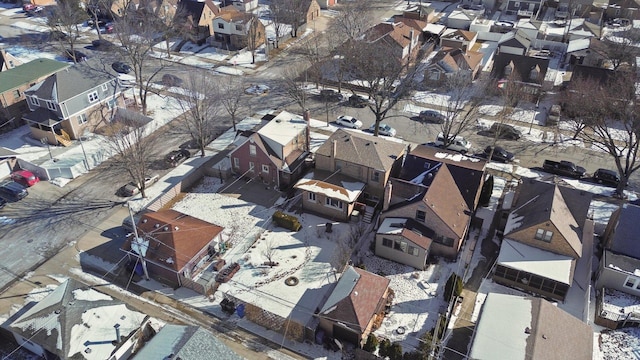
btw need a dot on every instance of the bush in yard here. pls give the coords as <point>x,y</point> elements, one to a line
<point>453,287</point>
<point>385,348</point>
<point>395,351</point>
<point>286,221</point>
<point>372,343</point>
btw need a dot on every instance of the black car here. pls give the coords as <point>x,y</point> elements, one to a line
<point>330,95</point>
<point>357,101</point>
<point>177,156</point>
<point>102,45</point>
<point>606,177</point>
<point>75,54</point>
<point>12,191</point>
<point>171,80</point>
<point>499,154</point>
<point>121,67</point>
<point>505,131</point>
<point>92,23</point>
<point>57,35</point>
<point>432,116</point>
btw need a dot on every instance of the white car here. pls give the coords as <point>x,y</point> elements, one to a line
<point>259,89</point>
<point>383,129</point>
<point>349,121</point>
<point>458,144</point>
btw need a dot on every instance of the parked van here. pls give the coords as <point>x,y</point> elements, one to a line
<point>12,191</point>
<point>459,144</point>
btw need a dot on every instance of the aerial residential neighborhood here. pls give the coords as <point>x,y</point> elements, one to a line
<point>319,179</point>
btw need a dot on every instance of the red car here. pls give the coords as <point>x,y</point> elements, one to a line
<point>24,177</point>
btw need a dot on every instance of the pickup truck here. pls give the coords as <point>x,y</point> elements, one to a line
<point>564,168</point>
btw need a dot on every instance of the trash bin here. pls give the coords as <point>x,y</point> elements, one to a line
<point>328,227</point>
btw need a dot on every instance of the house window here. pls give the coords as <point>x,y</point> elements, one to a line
<point>82,118</point>
<point>312,197</point>
<point>93,96</point>
<point>265,169</point>
<point>421,215</point>
<point>252,150</point>
<point>104,87</point>
<point>387,242</point>
<point>413,250</point>
<point>220,26</point>
<point>238,27</point>
<point>375,176</point>
<point>334,203</point>
<point>16,94</point>
<point>51,105</point>
<point>251,166</point>
<point>632,283</point>
<point>400,246</point>
<point>434,75</point>
<point>236,162</point>
<point>544,235</point>
<point>34,101</point>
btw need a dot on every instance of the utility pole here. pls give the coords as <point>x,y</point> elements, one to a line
<point>137,240</point>
<point>434,339</point>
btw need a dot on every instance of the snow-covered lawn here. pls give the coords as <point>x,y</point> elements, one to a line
<point>622,344</point>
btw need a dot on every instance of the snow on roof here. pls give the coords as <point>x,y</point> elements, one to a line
<point>347,191</point>
<point>578,44</point>
<point>283,128</point>
<point>455,157</point>
<point>435,28</point>
<point>501,334</point>
<point>90,295</point>
<point>390,226</point>
<point>536,261</point>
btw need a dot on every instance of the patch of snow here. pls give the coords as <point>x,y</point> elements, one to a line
<point>90,295</point>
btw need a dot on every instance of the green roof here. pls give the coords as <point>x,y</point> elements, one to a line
<point>27,73</point>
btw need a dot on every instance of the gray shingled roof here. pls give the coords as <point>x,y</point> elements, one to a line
<point>625,239</point>
<point>186,343</point>
<point>70,82</point>
<point>367,150</point>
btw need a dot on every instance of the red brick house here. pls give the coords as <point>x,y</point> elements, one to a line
<point>174,245</point>
<point>275,154</point>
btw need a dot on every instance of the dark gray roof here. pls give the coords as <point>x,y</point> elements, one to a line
<point>626,239</point>
<point>186,343</point>
<point>539,201</point>
<point>516,39</point>
<point>71,82</point>
<point>522,66</point>
<point>42,116</point>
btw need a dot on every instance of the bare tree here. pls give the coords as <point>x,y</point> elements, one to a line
<point>255,36</point>
<point>291,12</point>
<point>375,67</point>
<point>617,129</point>
<point>579,108</point>
<point>98,9</point>
<point>231,91</point>
<point>460,105</point>
<point>269,252</point>
<point>200,103</point>
<point>622,49</point>
<point>353,19</point>
<point>138,35</point>
<point>342,252</point>
<point>294,86</point>
<point>63,22</point>
<point>279,27</point>
<point>132,148</point>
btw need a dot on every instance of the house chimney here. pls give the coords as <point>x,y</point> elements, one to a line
<point>307,118</point>
<point>387,196</point>
<point>334,150</point>
<point>117,327</point>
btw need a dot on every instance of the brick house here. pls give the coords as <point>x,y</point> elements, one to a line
<point>16,80</point>
<point>71,100</point>
<point>548,225</point>
<point>355,306</point>
<point>174,245</point>
<point>404,40</point>
<point>364,163</point>
<point>199,17</point>
<point>450,62</point>
<point>276,153</point>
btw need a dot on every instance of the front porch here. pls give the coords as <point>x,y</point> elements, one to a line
<point>47,128</point>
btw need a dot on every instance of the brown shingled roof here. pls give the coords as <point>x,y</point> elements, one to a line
<point>174,235</point>
<point>443,197</point>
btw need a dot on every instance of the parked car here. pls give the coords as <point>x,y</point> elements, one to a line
<point>383,129</point>
<point>505,131</point>
<point>432,116</point>
<point>91,23</point>
<point>606,177</point>
<point>132,189</point>
<point>458,144</point>
<point>357,101</point>
<point>171,80</point>
<point>258,89</point>
<point>108,28</point>
<point>75,54</point>
<point>349,121</point>
<point>499,154</point>
<point>102,45</point>
<point>330,95</point>
<point>121,67</point>
<point>177,156</point>
<point>12,191</point>
<point>32,9</point>
<point>25,178</point>
<point>57,35</point>
<point>564,168</point>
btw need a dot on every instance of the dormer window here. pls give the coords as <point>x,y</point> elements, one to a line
<point>51,105</point>
<point>34,101</point>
